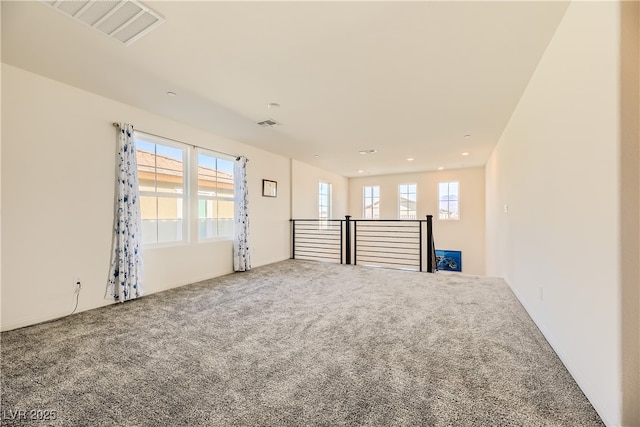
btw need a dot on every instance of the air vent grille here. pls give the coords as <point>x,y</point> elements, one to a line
<point>125,20</point>
<point>269,123</point>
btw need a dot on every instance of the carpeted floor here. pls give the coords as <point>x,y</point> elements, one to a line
<point>297,343</point>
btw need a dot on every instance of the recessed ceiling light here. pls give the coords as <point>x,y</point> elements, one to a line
<point>171,94</point>
<point>464,154</point>
<point>369,151</point>
<point>440,168</point>
<point>467,136</point>
<point>273,105</point>
<point>316,155</point>
<point>410,159</point>
<point>360,171</point>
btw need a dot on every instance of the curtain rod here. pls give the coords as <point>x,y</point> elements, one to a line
<point>181,142</point>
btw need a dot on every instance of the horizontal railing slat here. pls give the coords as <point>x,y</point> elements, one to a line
<point>393,243</point>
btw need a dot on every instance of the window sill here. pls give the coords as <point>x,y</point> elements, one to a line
<point>215,239</point>
<point>151,246</point>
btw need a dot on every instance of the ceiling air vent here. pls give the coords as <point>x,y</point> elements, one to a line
<point>125,21</point>
<point>269,123</point>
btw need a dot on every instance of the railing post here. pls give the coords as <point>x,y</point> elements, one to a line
<point>420,237</point>
<point>355,242</point>
<point>341,245</point>
<point>430,245</point>
<point>347,239</point>
<point>293,238</point>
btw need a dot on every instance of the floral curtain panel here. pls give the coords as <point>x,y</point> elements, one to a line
<point>126,272</point>
<point>241,256</point>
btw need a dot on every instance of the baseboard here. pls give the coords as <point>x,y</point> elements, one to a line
<point>48,317</point>
<point>189,282</point>
<point>271,261</point>
<point>586,387</point>
<point>43,318</point>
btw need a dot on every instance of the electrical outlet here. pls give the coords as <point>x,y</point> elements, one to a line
<point>77,284</point>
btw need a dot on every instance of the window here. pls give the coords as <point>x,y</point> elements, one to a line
<point>324,200</point>
<point>448,200</point>
<point>161,176</point>
<point>407,200</point>
<point>215,196</point>
<point>166,183</point>
<point>371,202</point>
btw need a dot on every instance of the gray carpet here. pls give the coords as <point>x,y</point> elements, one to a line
<point>297,343</point>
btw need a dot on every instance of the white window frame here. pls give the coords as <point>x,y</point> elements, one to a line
<point>372,199</point>
<point>190,197</point>
<point>449,216</point>
<point>401,194</point>
<point>327,197</point>
<point>198,196</point>
<point>183,208</point>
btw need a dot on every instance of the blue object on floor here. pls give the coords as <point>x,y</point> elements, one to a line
<point>449,260</point>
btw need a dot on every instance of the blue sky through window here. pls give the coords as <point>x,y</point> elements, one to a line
<point>204,160</point>
<point>210,162</point>
<point>160,150</point>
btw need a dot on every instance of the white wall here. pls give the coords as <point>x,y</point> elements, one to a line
<point>630,210</point>
<point>466,235</point>
<point>304,195</point>
<point>58,174</point>
<point>557,166</point>
<point>0,170</point>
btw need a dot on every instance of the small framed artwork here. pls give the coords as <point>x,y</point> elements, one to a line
<point>449,260</point>
<point>269,188</point>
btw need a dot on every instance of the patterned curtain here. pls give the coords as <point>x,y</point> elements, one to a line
<point>241,256</point>
<point>126,272</point>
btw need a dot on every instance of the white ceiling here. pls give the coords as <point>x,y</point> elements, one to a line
<point>408,79</point>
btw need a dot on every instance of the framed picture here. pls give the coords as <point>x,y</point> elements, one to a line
<point>269,188</point>
<point>449,260</point>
